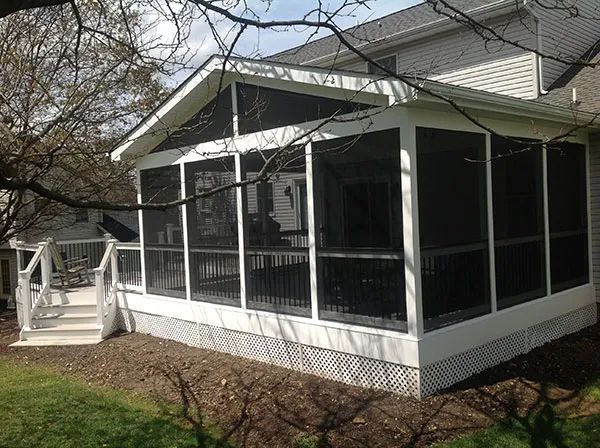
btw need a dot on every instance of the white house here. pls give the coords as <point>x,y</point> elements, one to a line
<point>393,246</point>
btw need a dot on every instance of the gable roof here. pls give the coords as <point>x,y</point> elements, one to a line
<point>202,86</point>
<point>585,79</point>
<point>392,25</point>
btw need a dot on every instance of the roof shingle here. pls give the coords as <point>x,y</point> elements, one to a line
<point>395,23</point>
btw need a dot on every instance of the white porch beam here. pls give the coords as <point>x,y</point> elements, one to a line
<point>186,237</point>
<point>490,222</point>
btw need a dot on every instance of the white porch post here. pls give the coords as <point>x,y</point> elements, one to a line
<point>410,218</point>
<point>312,233</point>
<point>241,225</point>
<point>546,220</point>
<point>490,222</point>
<point>141,227</point>
<point>240,202</point>
<point>184,232</point>
<point>46,268</point>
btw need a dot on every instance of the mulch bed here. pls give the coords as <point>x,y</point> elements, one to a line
<point>259,405</point>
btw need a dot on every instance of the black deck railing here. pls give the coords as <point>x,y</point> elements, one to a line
<point>215,274</point>
<point>165,270</point>
<point>279,280</point>
<point>130,266</point>
<point>364,288</point>
<point>455,283</point>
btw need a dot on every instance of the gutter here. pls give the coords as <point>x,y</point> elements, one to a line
<point>539,66</point>
<point>506,104</point>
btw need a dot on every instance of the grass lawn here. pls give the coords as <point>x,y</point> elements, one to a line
<point>42,409</point>
<point>549,428</point>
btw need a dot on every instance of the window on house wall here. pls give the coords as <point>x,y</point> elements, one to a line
<point>519,236</point>
<point>302,201</point>
<point>263,108</point>
<point>389,62</point>
<point>264,197</point>
<point>213,122</point>
<point>358,205</point>
<point>276,244</point>
<point>5,273</point>
<point>567,202</point>
<point>452,226</point>
<point>82,215</point>
<point>213,232</point>
<point>163,232</point>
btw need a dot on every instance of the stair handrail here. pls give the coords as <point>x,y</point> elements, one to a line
<point>105,298</point>
<point>29,301</point>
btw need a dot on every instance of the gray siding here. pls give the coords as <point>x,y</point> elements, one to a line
<point>595,209</point>
<point>567,37</point>
<point>461,57</point>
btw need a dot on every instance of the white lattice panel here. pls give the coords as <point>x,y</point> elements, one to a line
<point>551,330</point>
<point>360,371</point>
<point>357,370</point>
<point>450,371</point>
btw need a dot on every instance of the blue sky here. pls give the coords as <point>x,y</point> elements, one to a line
<point>263,43</point>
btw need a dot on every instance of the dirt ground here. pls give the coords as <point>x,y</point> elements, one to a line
<point>259,405</point>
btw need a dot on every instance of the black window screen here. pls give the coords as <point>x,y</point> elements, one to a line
<point>453,225</point>
<point>567,202</point>
<point>262,108</point>
<point>213,122</point>
<point>518,193</point>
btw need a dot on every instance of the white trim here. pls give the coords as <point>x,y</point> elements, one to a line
<point>185,234</point>
<point>490,222</point>
<point>368,342</point>
<point>312,234</point>
<point>410,220</point>
<point>546,221</point>
<point>241,225</point>
<point>138,182</point>
<point>445,342</point>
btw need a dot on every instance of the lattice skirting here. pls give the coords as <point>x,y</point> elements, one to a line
<point>353,369</point>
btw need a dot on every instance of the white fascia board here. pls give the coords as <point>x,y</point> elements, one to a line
<point>494,9</point>
<point>491,102</point>
<point>396,91</point>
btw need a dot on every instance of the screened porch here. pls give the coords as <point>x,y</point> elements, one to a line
<point>345,229</point>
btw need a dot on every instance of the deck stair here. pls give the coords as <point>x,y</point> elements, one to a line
<point>76,315</point>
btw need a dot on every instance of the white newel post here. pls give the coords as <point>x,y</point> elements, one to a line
<point>46,267</point>
<point>24,279</point>
<point>99,295</point>
<point>114,264</point>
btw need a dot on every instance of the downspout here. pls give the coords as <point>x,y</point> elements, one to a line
<point>539,66</point>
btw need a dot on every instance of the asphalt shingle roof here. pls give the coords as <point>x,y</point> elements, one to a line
<point>398,22</point>
<point>585,79</point>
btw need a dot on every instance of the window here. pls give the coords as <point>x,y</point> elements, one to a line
<point>567,202</point>
<point>302,201</point>
<point>276,244</point>
<point>389,62</point>
<point>5,274</point>
<point>358,206</point>
<point>453,226</point>
<point>213,232</point>
<point>518,193</point>
<point>81,215</point>
<point>264,197</point>
<point>163,238</point>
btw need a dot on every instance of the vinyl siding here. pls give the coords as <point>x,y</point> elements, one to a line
<point>567,37</point>
<point>462,57</point>
<point>595,209</point>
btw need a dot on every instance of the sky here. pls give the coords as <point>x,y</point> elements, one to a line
<point>257,44</point>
